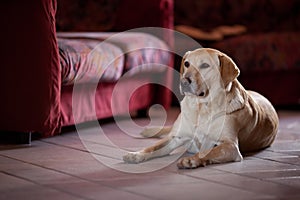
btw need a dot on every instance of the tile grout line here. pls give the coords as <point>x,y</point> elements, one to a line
<point>82,150</point>
<point>281,162</point>
<point>242,175</point>
<point>77,139</point>
<point>44,186</point>
<point>224,184</point>
<point>72,175</point>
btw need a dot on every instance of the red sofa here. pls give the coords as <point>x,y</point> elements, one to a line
<point>268,53</point>
<point>34,99</point>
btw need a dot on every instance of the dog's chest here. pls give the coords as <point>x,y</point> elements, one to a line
<point>189,111</point>
<point>201,121</point>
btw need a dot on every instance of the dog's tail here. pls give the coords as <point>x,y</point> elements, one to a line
<point>155,132</point>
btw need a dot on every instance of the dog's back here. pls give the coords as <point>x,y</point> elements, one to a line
<point>262,129</point>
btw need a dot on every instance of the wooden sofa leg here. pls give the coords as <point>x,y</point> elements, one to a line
<point>142,113</point>
<point>25,138</point>
<point>15,138</point>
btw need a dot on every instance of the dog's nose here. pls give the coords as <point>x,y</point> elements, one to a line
<point>186,81</point>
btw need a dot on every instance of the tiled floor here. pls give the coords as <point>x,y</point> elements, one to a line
<point>88,165</point>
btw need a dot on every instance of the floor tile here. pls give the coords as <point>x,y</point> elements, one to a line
<point>15,188</point>
<point>287,147</point>
<point>97,191</point>
<point>291,181</point>
<point>34,173</point>
<point>276,174</point>
<point>191,190</point>
<point>293,160</point>
<point>289,120</point>
<point>257,165</point>
<point>255,185</point>
<point>90,166</point>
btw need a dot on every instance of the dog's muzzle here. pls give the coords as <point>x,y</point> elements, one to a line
<point>185,84</point>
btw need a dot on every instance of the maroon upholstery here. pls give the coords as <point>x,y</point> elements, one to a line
<point>268,53</point>
<point>140,54</point>
<point>128,16</point>
<point>256,15</point>
<point>32,98</point>
<point>113,15</point>
<point>30,81</point>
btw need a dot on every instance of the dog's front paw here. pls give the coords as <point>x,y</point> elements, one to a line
<point>134,157</point>
<point>191,162</point>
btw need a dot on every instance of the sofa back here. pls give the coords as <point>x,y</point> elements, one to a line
<point>113,15</point>
<point>256,15</point>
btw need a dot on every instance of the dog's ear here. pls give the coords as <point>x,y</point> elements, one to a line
<point>182,62</point>
<point>228,69</point>
<point>181,67</point>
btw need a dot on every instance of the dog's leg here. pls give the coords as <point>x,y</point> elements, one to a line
<point>162,148</point>
<point>225,152</point>
<point>156,131</point>
<point>161,131</point>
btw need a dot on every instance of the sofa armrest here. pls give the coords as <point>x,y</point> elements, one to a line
<point>30,82</point>
<point>150,13</point>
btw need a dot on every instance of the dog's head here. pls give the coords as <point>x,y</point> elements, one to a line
<point>204,70</point>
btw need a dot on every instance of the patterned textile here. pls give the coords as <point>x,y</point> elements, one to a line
<point>264,52</point>
<point>257,15</point>
<point>86,60</point>
<point>90,57</point>
<point>272,39</point>
<point>143,52</point>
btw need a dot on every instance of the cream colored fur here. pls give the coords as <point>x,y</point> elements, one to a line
<point>219,119</point>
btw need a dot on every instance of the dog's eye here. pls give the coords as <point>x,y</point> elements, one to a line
<point>186,64</point>
<point>204,65</point>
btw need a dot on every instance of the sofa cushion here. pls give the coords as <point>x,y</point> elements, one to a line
<point>94,57</point>
<point>143,52</point>
<point>88,60</point>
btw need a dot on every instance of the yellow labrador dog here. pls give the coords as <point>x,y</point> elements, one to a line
<point>219,119</point>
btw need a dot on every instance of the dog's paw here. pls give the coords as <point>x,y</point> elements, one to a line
<point>134,157</point>
<point>150,132</point>
<point>191,162</point>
